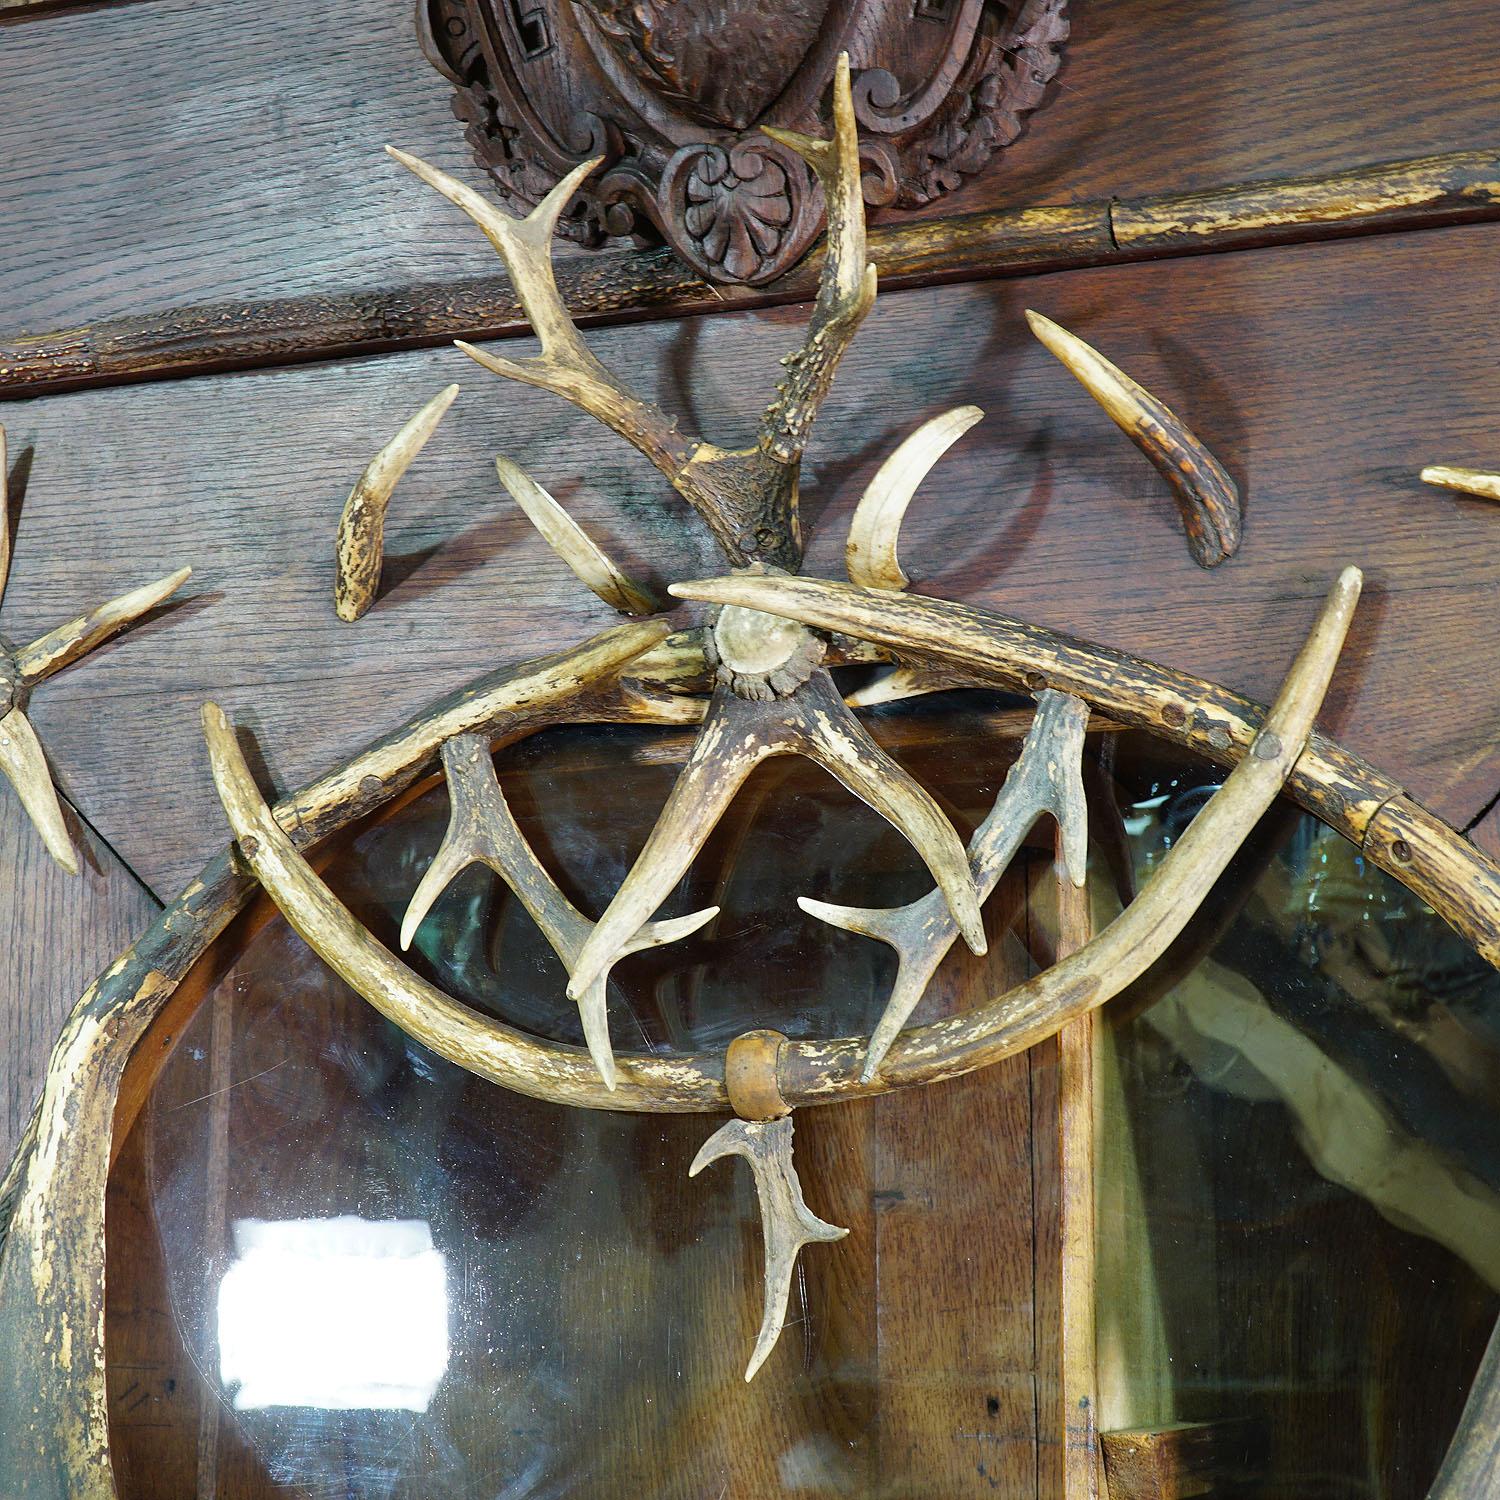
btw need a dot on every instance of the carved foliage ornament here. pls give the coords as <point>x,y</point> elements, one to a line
<point>674,95</point>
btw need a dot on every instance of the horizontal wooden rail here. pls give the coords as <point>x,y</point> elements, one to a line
<point>613,284</point>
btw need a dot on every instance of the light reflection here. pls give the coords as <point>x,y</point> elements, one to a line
<point>339,1314</point>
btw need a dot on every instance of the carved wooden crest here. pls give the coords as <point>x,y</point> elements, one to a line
<point>673,94</point>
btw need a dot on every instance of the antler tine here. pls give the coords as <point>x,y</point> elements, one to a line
<point>573,544</point>
<point>483,830</point>
<point>55,650</point>
<point>1207,497</point>
<point>846,287</point>
<point>360,548</point>
<point>25,767</point>
<point>1465,481</point>
<point>871,553</point>
<point>787,1223</point>
<point>566,365</point>
<point>1046,778</point>
<point>737,735</point>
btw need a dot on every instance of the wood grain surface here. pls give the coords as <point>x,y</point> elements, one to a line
<point>57,932</point>
<point>198,152</point>
<point>1323,376</point>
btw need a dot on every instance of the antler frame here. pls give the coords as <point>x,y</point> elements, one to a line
<point>52,1410</point>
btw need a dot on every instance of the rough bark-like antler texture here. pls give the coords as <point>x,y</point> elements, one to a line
<point>786,1222</point>
<point>1207,497</point>
<point>1465,481</point>
<point>482,830</point>
<point>810,1072</point>
<point>360,548</point>
<point>22,759</point>
<point>67,643</point>
<point>1047,778</point>
<point>738,734</point>
<point>870,552</point>
<point>747,496</point>
<point>572,543</point>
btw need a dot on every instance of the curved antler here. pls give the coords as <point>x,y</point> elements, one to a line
<point>813,1072</point>
<point>747,496</point>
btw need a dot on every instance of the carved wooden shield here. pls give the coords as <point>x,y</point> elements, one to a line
<point>673,92</point>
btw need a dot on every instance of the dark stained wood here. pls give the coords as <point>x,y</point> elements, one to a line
<point>57,932</point>
<point>241,164</point>
<point>166,154</point>
<point>1323,377</point>
<point>605,285</point>
<point>937,91</point>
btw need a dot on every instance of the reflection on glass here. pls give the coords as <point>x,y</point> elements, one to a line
<point>337,1314</point>
<point>1299,1159</point>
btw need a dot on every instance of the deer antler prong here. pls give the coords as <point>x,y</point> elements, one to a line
<point>846,287</point>
<point>359,551</point>
<point>483,830</point>
<point>1465,481</point>
<point>738,733</point>
<point>25,767</point>
<point>901,683</point>
<point>1046,778</point>
<point>871,552</point>
<point>525,244</point>
<point>573,544</point>
<point>55,650</point>
<point>787,1223</point>
<point>1207,497</point>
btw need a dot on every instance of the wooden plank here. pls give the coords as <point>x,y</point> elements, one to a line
<point>602,287</point>
<point>186,151</point>
<point>58,932</point>
<point>1324,376</point>
<point>241,182</point>
<point>1069,1462</point>
<point>1182,1460</point>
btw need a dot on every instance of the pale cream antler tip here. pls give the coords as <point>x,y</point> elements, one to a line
<point>1465,481</point>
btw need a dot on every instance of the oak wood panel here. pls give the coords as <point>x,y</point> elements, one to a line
<point>1383,197</point>
<point>1324,376</point>
<point>228,153</point>
<point>57,932</point>
<point>1174,95</point>
<point>183,151</point>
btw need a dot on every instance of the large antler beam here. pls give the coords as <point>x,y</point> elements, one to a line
<point>820,1071</point>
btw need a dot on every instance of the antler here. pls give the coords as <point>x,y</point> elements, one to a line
<point>359,552</point>
<point>870,552</point>
<point>1047,778</point>
<point>747,496</point>
<point>22,760</point>
<point>592,567</point>
<point>738,734</point>
<point>786,1222</point>
<point>1207,497</point>
<point>482,830</point>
